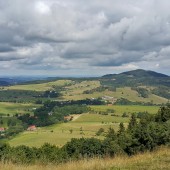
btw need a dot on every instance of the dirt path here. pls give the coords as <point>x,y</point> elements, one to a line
<point>76,116</point>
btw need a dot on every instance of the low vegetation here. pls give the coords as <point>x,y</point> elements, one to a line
<point>158,159</point>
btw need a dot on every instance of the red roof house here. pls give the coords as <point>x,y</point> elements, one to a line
<point>2,129</point>
<point>32,128</point>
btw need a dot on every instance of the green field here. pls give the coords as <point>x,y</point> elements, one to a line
<point>90,123</point>
<point>42,86</point>
<point>75,92</point>
<point>60,134</point>
<point>13,108</point>
<point>120,109</point>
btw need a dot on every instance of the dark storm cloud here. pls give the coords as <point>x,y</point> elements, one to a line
<point>67,34</point>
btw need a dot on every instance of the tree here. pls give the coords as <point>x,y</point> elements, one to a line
<point>163,114</point>
<point>121,128</point>
<point>132,123</point>
<point>100,131</point>
<point>111,134</point>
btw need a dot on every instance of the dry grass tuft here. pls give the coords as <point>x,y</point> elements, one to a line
<point>159,159</point>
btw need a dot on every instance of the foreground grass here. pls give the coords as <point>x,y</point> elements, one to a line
<point>159,159</point>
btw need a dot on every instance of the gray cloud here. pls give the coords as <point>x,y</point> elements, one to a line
<point>73,36</point>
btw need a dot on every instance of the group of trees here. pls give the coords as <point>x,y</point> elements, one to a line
<point>22,96</point>
<point>99,89</point>
<point>123,101</point>
<point>141,91</point>
<point>54,111</point>
<point>48,114</point>
<point>147,133</point>
<point>162,91</point>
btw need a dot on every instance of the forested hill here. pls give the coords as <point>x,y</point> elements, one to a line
<point>137,78</point>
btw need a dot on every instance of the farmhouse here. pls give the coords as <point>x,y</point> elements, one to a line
<point>2,129</point>
<point>32,128</point>
<point>68,118</point>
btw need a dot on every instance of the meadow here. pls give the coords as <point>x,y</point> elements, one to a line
<point>85,125</point>
<point>120,109</point>
<point>42,86</point>
<point>75,92</point>
<point>16,108</point>
<point>60,134</point>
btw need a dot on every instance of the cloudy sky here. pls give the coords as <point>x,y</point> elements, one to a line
<point>83,37</point>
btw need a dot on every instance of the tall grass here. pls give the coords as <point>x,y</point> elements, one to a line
<point>157,160</point>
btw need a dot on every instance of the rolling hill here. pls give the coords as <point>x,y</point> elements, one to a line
<point>137,78</point>
<point>135,86</point>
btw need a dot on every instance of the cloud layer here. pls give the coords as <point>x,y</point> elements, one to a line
<point>76,37</point>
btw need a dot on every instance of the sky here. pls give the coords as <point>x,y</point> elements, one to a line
<point>83,37</point>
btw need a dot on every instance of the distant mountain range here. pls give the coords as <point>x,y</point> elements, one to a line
<point>130,78</point>
<point>6,81</point>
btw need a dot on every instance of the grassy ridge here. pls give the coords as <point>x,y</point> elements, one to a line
<point>159,159</point>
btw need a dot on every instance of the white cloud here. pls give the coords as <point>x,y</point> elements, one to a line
<point>69,36</point>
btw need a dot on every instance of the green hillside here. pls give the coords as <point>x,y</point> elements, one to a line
<point>84,125</point>
<point>136,86</point>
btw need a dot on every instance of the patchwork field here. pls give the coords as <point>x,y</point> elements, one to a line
<point>84,125</point>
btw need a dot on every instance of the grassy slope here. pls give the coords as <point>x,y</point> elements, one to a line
<point>40,87</point>
<point>75,91</point>
<point>90,124</point>
<point>159,159</point>
<point>127,108</point>
<point>13,108</point>
<point>60,134</point>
